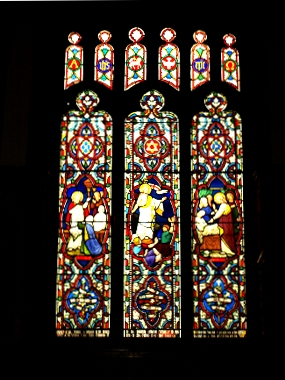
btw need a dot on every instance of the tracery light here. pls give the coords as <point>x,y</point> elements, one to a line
<point>104,60</point>
<point>73,73</point>
<point>230,69</point>
<point>169,59</point>
<point>135,59</point>
<point>199,61</point>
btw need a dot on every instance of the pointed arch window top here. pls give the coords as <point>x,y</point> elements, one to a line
<point>215,102</point>
<point>74,38</point>
<point>168,34</point>
<point>136,34</point>
<point>104,36</point>
<point>199,36</point>
<point>86,101</point>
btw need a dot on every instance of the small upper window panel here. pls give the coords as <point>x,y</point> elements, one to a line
<point>73,73</point>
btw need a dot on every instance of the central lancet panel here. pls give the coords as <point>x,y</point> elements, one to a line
<point>152,238</point>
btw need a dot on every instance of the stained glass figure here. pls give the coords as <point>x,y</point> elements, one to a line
<point>230,62</point>
<point>218,221</point>
<point>152,239</point>
<point>199,60</point>
<point>73,61</point>
<point>104,60</point>
<point>169,59</point>
<point>83,263</point>
<point>135,59</point>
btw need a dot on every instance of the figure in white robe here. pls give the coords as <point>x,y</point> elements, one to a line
<point>100,223</point>
<point>147,208</point>
<point>76,215</point>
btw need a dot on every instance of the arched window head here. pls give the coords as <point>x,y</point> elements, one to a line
<point>135,59</point>
<point>73,73</point>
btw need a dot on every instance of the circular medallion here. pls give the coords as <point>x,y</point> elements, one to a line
<point>200,65</point>
<point>104,65</point>
<point>135,63</point>
<point>168,63</point>
<point>74,64</point>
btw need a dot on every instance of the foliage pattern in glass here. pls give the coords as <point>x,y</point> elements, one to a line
<point>218,221</point>
<point>83,261</point>
<point>135,59</point>
<point>152,238</point>
<point>199,61</point>
<point>169,59</point>
<point>73,73</point>
<point>104,60</point>
<point>230,62</point>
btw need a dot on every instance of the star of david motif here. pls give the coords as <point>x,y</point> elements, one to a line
<point>152,146</point>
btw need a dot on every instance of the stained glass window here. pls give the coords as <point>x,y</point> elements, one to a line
<point>73,61</point>
<point>218,221</point>
<point>230,62</point>
<point>104,60</point>
<point>83,264</point>
<point>199,60</point>
<point>169,59</point>
<point>135,59</point>
<point>152,239</point>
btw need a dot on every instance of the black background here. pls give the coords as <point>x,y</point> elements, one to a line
<point>32,102</point>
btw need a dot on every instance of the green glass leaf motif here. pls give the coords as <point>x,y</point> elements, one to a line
<point>104,51</point>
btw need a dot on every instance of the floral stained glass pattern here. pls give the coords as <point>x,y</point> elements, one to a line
<point>73,61</point>
<point>135,59</point>
<point>104,60</point>
<point>199,61</point>
<point>230,62</point>
<point>218,222</point>
<point>169,59</point>
<point>152,238</point>
<point>83,261</point>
